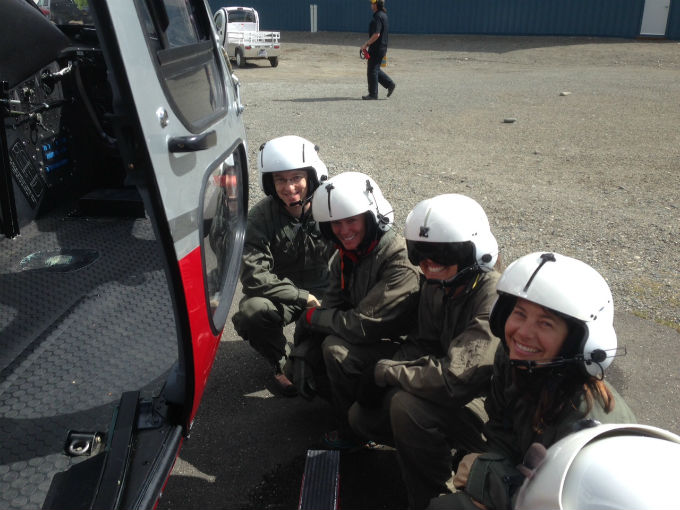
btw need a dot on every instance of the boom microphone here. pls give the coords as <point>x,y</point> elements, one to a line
<point>301,202</point>
<point>531,364</point>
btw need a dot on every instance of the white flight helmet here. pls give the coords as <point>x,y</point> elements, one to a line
<point>290,152</point>
<point>447,220</point>
<point>349,194</point>
<point>616,466</point>
<point>573,290</point>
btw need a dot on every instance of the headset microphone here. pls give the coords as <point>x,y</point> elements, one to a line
<point>301,202</point>
<point>531,365</point>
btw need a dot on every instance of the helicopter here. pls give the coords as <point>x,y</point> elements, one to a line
<point>123,202</point>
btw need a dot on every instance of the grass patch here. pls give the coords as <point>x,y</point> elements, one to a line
<point>652,293</point>
<point>664,322</point>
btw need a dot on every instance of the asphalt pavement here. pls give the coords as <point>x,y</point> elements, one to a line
<point>248,444</point>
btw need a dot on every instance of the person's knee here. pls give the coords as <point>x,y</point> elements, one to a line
<point>356,419</point>
<point>261,312</point>
<point>260,323</point>
<point>406,416</point>
<point>252,307</point>
<point>335,350</point>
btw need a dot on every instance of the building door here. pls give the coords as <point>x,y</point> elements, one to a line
<point>655,17</point>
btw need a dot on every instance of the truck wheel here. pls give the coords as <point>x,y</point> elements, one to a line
<point>274,61</point>
<point>240,59</point>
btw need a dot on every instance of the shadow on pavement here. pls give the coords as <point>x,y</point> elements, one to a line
<point>248,446</point>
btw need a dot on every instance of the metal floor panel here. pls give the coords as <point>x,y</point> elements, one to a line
<point>72,342</point>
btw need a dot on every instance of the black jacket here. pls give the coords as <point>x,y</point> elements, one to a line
<point>378,25</point>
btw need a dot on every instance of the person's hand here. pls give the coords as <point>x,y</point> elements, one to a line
<point>462,476</point>
<point>304,328</point>
<point>312,302</point>
<point>369,394</point>
<point>533,458</point>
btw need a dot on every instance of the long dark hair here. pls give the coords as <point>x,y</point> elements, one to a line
<point>554,389</point>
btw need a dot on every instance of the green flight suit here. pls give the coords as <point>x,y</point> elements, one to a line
<point>493,478</point>
<point>284,260</point>
<point>435,403</point>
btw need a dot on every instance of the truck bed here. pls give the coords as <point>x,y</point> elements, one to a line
<point>257,38</point>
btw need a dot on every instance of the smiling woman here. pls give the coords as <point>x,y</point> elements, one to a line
<point>371,296</point>
<point>339,203</point>
<point>350,231</point>
<point>554,316</point>
<point>533,332</point>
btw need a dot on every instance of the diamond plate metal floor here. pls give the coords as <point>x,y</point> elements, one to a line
<point>71,342</point>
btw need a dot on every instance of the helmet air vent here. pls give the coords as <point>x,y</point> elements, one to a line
<point>545,257</point>
<point>329,188</point>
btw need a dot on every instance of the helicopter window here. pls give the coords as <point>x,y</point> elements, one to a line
<point>223,226</point>
<point>182,28</point>
<point>179,34</point>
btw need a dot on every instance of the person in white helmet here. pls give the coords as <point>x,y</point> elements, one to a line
<point>372,292</point>
<point>425,400</point>
<point>554,316</point>
<point>613,466</point>
<point>284,268</point>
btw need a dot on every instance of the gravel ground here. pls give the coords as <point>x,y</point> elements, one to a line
<point>592,174</point>
<point>589,167</point>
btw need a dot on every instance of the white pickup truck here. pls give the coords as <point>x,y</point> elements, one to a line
<point>238,29</point>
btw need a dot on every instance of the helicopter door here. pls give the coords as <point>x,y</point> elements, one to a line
<point>172,81</point>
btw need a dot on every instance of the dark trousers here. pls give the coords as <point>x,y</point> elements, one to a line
<point>376,75</point>
<point>261,322</point>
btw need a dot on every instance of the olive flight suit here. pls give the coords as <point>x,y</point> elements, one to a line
<point>284,259</point>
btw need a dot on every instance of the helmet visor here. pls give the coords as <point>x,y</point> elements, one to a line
<point>446,254</point>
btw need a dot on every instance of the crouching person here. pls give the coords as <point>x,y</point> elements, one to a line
<point>371,298</point>
<point>554,316</point>
<point>284,270</point>
<point>426,400</point>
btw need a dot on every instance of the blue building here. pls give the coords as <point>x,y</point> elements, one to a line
<point>598,18</point>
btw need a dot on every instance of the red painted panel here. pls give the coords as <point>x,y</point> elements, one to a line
<point>204,343</point>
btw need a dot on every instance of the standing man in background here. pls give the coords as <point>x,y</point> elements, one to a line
<point>377,49</point>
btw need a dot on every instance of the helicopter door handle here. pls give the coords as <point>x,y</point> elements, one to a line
<point>193,143</point>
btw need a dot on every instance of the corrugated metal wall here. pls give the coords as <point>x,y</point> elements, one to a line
<point>673,29</point>
<point>276,14</point>
<point>604,18</point>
